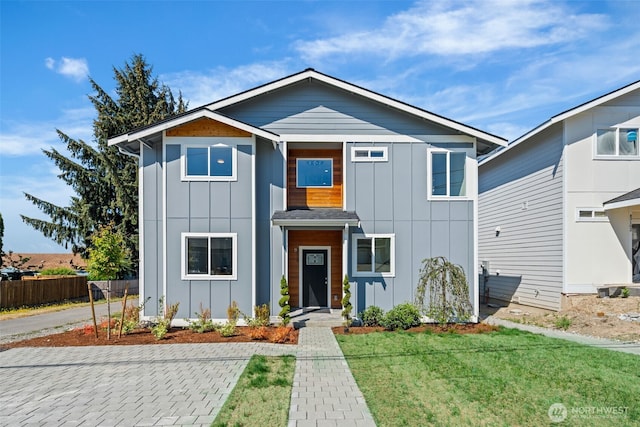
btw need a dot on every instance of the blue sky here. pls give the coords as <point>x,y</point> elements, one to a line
<point>501,66</point>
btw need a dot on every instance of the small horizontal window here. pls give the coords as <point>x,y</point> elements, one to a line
<point>591,214</point>
<point>369,154</point>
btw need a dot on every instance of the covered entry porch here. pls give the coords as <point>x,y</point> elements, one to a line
<point>629,205</point>
<point>316,254</point>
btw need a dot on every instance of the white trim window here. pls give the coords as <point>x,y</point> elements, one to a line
<point>209,256</point>
<point>447,174</point>
<point>314,173</point>
<point>617,143</point>
<point>369,154</point>
<point>217,162</point>
<point>374,255</point>
<point>591,215</point>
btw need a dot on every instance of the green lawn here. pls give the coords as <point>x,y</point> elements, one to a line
<point>502,378</point>
<point>262,395</point>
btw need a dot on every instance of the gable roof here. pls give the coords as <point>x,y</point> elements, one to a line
<point>565,115</point>
<point>310,73</point>
<point>139,134</point>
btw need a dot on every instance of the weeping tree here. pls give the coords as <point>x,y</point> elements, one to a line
<point>448,291</point>
<point>105,180</point>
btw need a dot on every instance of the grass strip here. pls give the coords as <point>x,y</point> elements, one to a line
<point>262,395</point>
<point>503,378</point>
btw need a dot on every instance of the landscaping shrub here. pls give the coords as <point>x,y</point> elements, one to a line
<point>402,316</point>
<point>372,316</point>
<point>233,313</point>
<point>260,317</point>
<point>563,323</point>
<point>346,301</point>
<point>227,330</point>
<point>259,333</point>
<point>280,334</point>
<point>204,322</point>
<point>284,302</point>
<point>162,327</point>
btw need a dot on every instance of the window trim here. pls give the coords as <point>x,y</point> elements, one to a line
<point>330,159</point>
<point>354,255</point>
<point>617,155</point>
<point>369,149</point>
<point>430,195</point>
<point>208,145</point>
<point>593,217</point>
<point>209,236</point>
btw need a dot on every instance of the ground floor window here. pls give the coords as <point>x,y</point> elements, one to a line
<point>209,256</point>
<point>373,254</point>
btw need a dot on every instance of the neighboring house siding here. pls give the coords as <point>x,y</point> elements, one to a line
<point>391,198</point>
<point>315,108</point>
<point>598,251</point>
<point>209,207</point>
<point>151,227</point>
<point>521,191</point>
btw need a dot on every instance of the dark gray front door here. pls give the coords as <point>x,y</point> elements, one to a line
<point>314,278</point>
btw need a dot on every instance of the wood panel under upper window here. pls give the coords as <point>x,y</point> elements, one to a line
<point>314,178</point>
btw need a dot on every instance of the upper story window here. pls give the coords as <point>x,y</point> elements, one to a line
<point>209,256</point>
<point>617,142</point>
<point>312,173</point>
<point>209,163</point>
<point>369,154</point>
<point>447,177</point>
<point>374,255</point>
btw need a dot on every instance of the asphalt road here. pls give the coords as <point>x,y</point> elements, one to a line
<point>58,321</point>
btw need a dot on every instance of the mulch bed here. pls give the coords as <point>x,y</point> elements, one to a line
<point>463,328</point>
<point>79,337</point>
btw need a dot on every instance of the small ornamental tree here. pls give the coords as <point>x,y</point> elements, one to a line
<point>108,257</point>
<point>448,291</point>
<point>346,301</point>
<point>285,308</point>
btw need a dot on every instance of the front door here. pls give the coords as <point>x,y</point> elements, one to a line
<point>635,252</point>
<point>314,278</point>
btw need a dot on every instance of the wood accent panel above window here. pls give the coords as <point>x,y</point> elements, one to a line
<point>206,127</point>
<point>322,197</point>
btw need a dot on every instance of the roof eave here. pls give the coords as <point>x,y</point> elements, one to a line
<point>288,222</point>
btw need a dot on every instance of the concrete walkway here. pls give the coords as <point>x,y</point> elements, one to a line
<point>324,390</point>
<point>625,347</point>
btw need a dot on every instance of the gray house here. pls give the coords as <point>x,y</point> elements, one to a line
<point>309,177</point>
<point>560,206</point>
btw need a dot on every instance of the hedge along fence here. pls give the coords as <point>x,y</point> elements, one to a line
<point>41,290</point>
<point>100,287</point>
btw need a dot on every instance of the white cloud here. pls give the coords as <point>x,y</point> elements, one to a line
<point>29,138</point>
<point>75,68</point>
<point>201,88</point>
<point>454,28</point>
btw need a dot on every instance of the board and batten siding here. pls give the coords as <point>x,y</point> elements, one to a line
<point>209,207</point>
<point>151,228</point>
<point>391,198</point>
<point>521,195</point>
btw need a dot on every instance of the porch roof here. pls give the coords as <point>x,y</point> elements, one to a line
<point>632,198</point>
<point>315,217</point>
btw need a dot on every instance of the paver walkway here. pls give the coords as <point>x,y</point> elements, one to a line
<point>180,384</point>
<point>324,390</point>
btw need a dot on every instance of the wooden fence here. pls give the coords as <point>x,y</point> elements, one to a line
<point>41,290</point>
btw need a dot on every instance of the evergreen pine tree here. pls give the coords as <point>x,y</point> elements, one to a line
<point>105,180</point>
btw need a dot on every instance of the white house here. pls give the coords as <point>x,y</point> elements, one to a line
<point>559,208</point>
